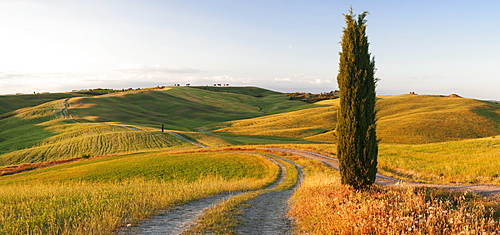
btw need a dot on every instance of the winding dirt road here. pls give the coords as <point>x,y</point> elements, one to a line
<point>266,215</point>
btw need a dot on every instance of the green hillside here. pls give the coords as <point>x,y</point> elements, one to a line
<point>10,103</point>
<point>251,91</point>
<point>152,165</point>
<point>42,133</point>
<point>178,108</point>
<point>408,119</point>
<point>101,124</point>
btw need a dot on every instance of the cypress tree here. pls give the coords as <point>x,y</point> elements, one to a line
<point>357,147</point>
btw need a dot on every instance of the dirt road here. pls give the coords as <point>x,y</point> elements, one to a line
<point>266,215</point>
<point>486,190</point>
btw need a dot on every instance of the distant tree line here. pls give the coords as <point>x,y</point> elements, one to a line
<point>102,91</point>
<point>312,98</point>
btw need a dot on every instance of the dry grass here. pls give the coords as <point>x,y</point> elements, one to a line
<point>99,208</point>
<point>323,206</point>
<point>301,123</point>
<point>466,161</point>
<point>206,139</point>
<point>427,119</point>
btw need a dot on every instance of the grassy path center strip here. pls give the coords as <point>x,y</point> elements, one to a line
<point>225,218</point>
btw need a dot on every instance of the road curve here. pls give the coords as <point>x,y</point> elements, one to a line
<point>178,219</point>
<point>186,140</point>
<point>492,191</point>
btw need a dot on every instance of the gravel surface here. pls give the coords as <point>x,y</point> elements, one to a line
<point>176,220</point>
<point>267,213</point>
<point>179,219</point>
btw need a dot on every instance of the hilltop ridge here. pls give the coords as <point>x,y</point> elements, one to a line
<point>404,119</point>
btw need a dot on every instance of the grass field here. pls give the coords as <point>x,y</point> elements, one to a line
<point>41,133</point>
<point>223,218</point>
<point>250,91</point>
<point>467,161</point>
<point>98,195</point>
<point>11,103</point>
<point>404,119</point>
<point>178,108</point>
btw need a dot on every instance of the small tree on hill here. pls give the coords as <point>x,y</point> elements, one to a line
<point>357,148</point>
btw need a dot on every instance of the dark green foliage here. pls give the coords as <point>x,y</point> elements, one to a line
<point>357,144</point>
<point>85,156</point>
<point>313,98</point>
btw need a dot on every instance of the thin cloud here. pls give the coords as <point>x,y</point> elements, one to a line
<point>142,68</point>
<point>7,75</point>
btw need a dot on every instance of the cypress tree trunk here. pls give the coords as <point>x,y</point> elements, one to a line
<point>357,148</point>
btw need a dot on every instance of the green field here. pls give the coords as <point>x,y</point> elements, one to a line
<point>41,133</point>
<point>10,103</point>
<point>178,108</point>
<point>96,196</point>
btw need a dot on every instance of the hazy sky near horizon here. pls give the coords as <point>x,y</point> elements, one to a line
<point>428,47</point>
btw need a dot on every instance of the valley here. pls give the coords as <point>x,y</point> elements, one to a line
<point>246,147</point>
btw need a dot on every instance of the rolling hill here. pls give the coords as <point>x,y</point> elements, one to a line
<point>10,103</point>
<point>403,119</point>
<point>178,108</point>
<point>42,133</point>
<point>102,124</point>
<point>143,171</point>
<point>237,115</point>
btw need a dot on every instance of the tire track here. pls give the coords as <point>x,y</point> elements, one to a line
<point>181,218</point>
<point>267,213</point>
<point>65,112</point>
<point>176,220</point>
<point>186,140</point>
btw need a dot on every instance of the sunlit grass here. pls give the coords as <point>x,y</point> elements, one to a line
<point>297,124</point>
<point>178,108</point>
<point>99,208</point>
<point>207,139</point>
<point>10,103</point>
<point>42,133</point>
<point>406,119</point>
<point>323,206</point>
<point>97,196</point>
<point>151,165</point>
<point>466,161</point>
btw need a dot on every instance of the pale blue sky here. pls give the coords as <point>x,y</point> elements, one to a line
<point>429,47</point>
